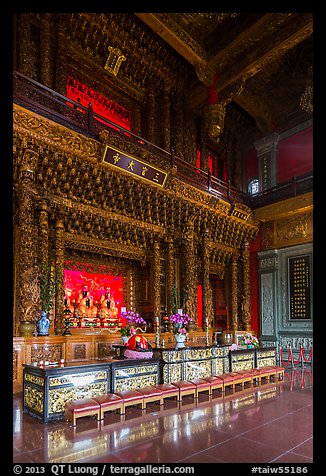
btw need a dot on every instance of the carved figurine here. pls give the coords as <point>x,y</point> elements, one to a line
<point>85,304</point>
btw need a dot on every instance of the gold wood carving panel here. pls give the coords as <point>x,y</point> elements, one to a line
<point>33,398</point>
<point>59,396</point>
<point>293,230</point>
<point>194,370</point>
<point>137,381</point>
<point>172,372</point>
<point>217,366</point>
<point>74,378</point>
<point>263,362</point>
<point>34,379</point>
<point>56,135</point>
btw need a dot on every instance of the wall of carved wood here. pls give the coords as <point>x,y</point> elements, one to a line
<point>153,83</point>
<point>67,201</point>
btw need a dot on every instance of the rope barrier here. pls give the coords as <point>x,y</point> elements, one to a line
<point>289,357</point>
<point>300,375</point>
<point>295,362</point>
<point>291,360</point>
<point>309,356</point>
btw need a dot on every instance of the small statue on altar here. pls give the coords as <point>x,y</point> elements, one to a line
<point>107,308</point>
<point>68,302</point>
<point>85,304</point>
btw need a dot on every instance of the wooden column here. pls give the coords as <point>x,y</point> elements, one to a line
<point>189,285</point>
<point>246,287</point>
<point>203,141</point>
<point>234,292</point>
<point>26,61</point>
<point>43,244</point>
<point>136,118</point>
<point>151,117</point>
<point>60,57</point>
<point>169,274</point>
<point>59,266</point>
<point>166,121</point>
<point>179,124</point>
<point>28,294</point>
<point>207,295</point>
<point>46,70</point>
<point>156,280</point>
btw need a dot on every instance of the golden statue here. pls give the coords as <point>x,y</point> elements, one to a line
<point>107,308</point>
<point>68,303</point>
<point>85,304</point>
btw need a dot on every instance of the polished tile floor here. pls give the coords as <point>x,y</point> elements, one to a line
<point>269,423</point>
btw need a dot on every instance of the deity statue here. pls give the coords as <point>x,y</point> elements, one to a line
<point>68,302</point>
<point>85,304</point>
<point>107,308</point>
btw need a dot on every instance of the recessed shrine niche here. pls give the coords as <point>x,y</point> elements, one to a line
<point>97,288</point>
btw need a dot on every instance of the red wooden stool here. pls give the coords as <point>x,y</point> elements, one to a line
<point>246,376</point>
<point>216,383</point>
<point>185,388</point>
<point>274,371</point>
<point>230,379</point>
<point>79,408</point>
<point>151,394</point>
<point>255,375</point>
<point>168,390</point>
<point>110,402</point>
<point>131,397</point>
<point>202,385</point>
<point>263,373</point>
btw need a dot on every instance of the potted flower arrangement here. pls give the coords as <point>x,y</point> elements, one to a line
<point>250,340</point>
<point>180,323</point>
<point>130,322</point>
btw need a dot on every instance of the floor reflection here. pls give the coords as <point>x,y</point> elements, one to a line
<point>191,426</point>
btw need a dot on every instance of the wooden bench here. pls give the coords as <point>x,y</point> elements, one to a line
<point>274,371</point>
<point>80,408</point>
<point>202,385</point>
<point>216,383</point>
<point>246,376</point>
<point>168,390</point>
<point>110,402</point>
<point>185,388</point>
<point>151,394</point>
<point>97,406</point>
<point>231,379</point>
<point>131,398</point>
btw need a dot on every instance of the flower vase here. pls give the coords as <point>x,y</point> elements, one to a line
<point>26,328</point>
<point>180,339</point>
<point>250,346</point>
<point>43,324</point>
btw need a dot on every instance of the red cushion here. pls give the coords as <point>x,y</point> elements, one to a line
<point>244,373</point>
<point>184,385</point>
<point>108,399</point>
<point>263,371</point>
<point>81,405</point>
<point>213,380</point>
<point>129,395</point>
<point>278,368</point>
<point>230,377</point>
<point>150,391</point>
<point>167,388</point>
<point>201,383</point>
